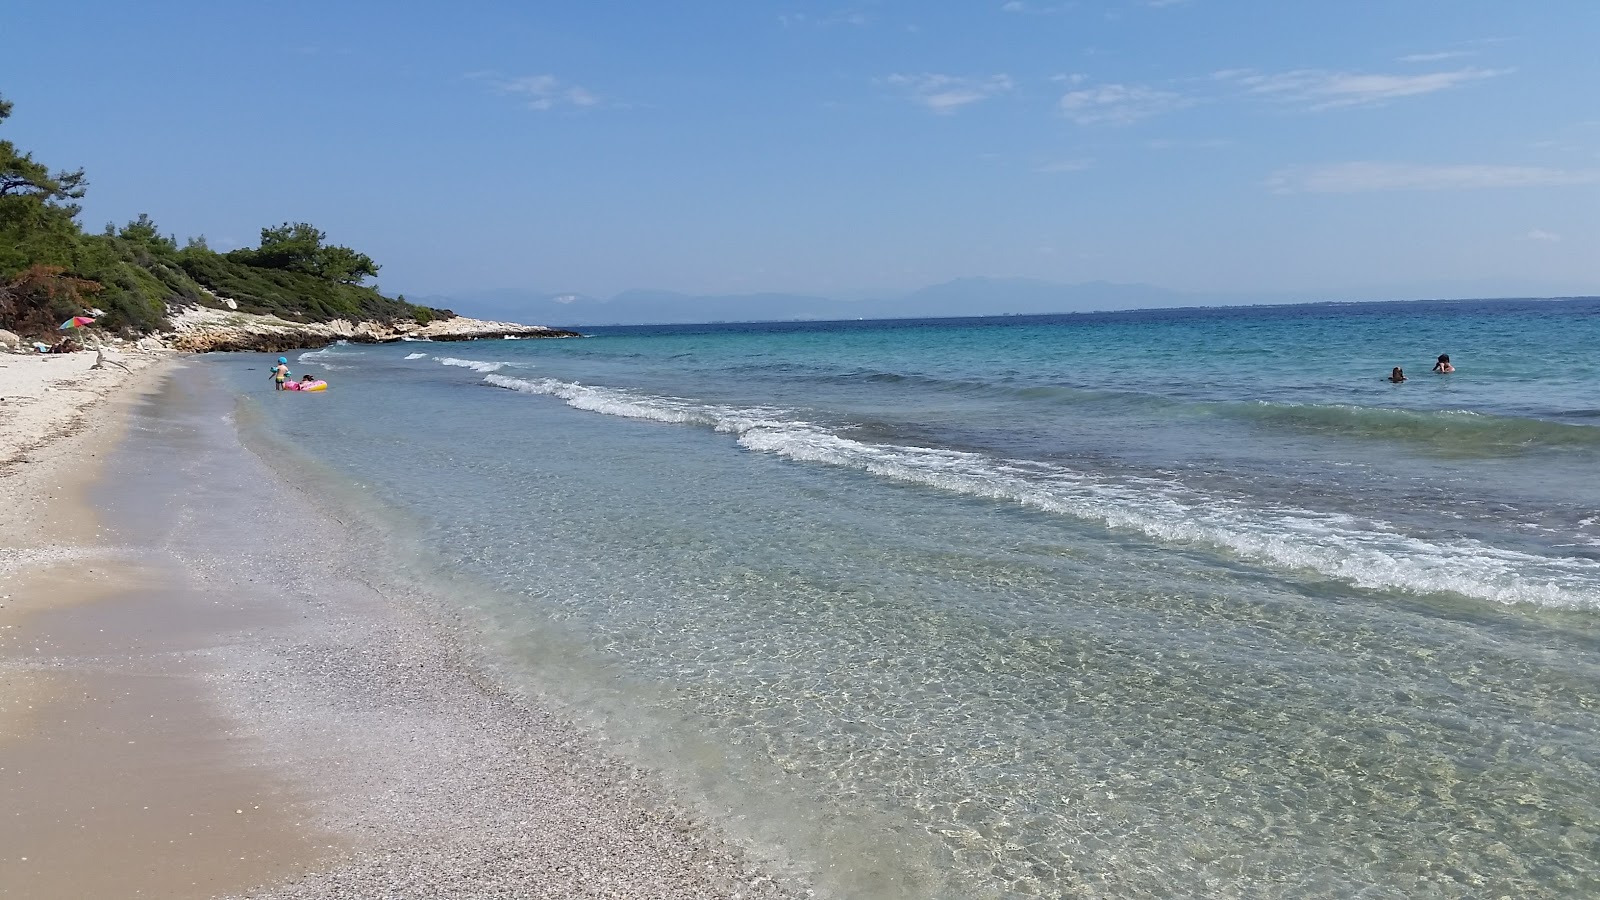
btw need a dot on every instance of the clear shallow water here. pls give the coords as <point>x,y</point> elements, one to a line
<point>1183,603</point>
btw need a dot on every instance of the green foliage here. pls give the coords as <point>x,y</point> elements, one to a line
<point>299,248</point>
<point>143,231</point>
<point>292,295</point>
<point>139,280</point>
<point>33,232</point>
<point>37,218</point>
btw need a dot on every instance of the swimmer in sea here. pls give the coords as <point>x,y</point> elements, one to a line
<point>1443,366</point>
<point>280,373</point>
<point>1398,375</point>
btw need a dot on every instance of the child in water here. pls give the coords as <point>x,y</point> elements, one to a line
<point>280,373</point>
<point>1398,375</point>
<point>1443,366</point>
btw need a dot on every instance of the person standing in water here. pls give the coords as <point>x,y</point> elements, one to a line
<point>1443,366</point>
<point>1398,375</point>
<point>280,373</point>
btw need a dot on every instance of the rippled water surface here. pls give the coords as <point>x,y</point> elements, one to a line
<point>1188,603</point>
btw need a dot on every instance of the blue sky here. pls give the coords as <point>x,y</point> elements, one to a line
<point>844,149</point>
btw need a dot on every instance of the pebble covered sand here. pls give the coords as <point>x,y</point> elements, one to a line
<point>429,780</point>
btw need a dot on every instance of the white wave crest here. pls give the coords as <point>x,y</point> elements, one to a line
<point>416,356</point>
<point>476,365</point>
<point>329,351</point>
<point>1367,553</point>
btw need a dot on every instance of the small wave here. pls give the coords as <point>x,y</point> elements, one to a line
<point>612,402</point>
<point>1370,554</point>
<point>326,352</point>
<point>416,356</point>
<point>476,365</point>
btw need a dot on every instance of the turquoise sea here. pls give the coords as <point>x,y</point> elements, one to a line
<point>1181,603</point>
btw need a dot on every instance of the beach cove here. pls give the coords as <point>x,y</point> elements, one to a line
<point>209,693</point>
<point>1091,606</point>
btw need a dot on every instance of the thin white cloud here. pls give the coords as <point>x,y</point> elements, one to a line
<point>1117,104</point>
<point>1159,4</point>
<point>1320,89</point>
<point>1539,234</point>
<point>1036,9</point>
<point>1066,165</point>
<point>1434,57</point>
<point>541,92</point>
<point>946,94</point>
<point>1361,177</point>
<point>842,17</point>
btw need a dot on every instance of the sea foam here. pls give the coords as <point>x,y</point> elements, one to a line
<point>476,365</point>
<point>1368,553</point>
<point>327,352</point>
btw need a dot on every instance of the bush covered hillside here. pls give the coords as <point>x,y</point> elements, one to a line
<point>50,269</point>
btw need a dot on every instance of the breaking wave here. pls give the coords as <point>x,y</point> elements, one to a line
<point>476,365</point>
<point>1368,553</point>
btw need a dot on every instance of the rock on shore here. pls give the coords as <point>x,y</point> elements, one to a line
<point>202,330</point>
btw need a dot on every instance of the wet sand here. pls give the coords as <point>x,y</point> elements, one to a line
<point>210,690</point>
<point>116,778</point>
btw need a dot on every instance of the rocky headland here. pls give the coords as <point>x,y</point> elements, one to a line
<point>200,329</point>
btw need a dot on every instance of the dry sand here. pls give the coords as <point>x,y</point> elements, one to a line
<point>187,710</point>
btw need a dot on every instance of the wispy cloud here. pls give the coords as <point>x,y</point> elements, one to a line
<point>1158,4</point>
<point>1036,9</point>
<point>842,17</point>
<point>1434,57</point>
<point>1360,177</point>
<point>541,92</point>
<point>1117,104</point>
<point>1321,89</point>
<point>946,94</point>
<point>1539,234</point>
<point>538,92</point>
<point>1065,165</point>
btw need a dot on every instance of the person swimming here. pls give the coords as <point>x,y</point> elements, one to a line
<point>280,373</point>
<point>1443,366</point>
<point>1398,375</point>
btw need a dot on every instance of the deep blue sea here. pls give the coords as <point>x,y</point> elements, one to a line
<point>1180,603</point>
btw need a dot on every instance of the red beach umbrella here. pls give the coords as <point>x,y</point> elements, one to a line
<point>76,322</point>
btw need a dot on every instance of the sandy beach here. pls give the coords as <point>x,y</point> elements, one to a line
<point>208,690</point>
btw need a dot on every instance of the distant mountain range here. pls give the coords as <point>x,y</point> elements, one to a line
<point>962,297</point>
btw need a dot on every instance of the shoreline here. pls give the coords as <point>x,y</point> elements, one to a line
<point>264,722</point>
<point>109,747</point>
<point>202,329</point>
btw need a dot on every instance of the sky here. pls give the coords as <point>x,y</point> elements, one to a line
<point>844,149</point>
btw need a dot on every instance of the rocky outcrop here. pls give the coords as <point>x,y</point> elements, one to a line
<point>203,330</point>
